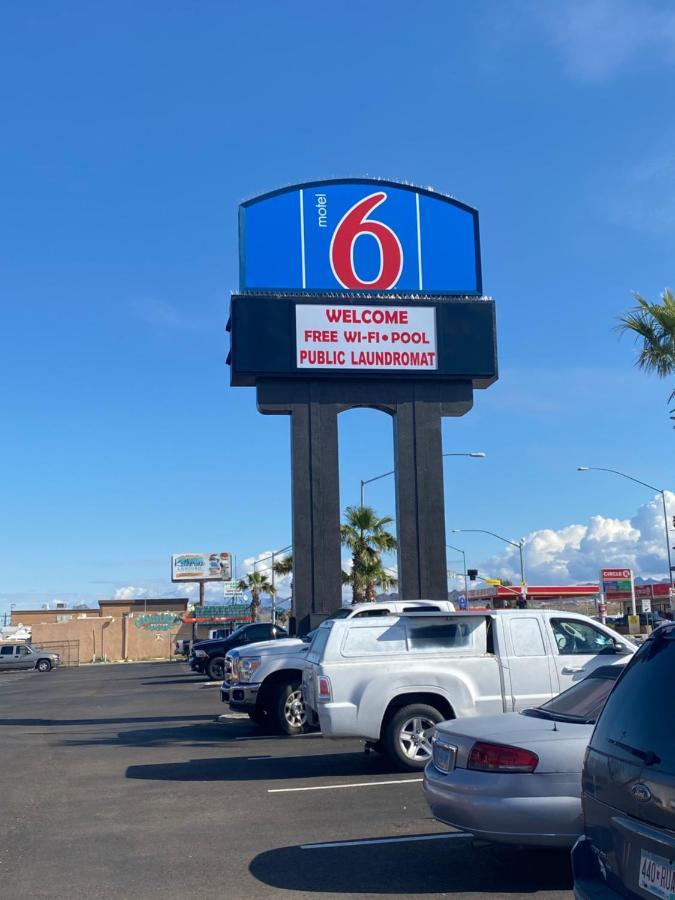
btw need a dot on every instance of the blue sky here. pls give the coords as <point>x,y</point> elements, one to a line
<point>131,131</point>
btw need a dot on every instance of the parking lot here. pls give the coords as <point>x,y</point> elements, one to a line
<point>121,781</point>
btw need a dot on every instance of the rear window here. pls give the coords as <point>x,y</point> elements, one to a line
<point>582,702</point>
<point>318,644</point>
<point>637,721</point>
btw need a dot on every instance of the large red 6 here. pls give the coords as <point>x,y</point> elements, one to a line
<point>352,225</point>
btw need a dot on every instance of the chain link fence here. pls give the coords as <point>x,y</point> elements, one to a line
<point>69,651</point>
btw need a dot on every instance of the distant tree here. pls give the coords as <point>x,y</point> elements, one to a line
<point>256,583</point>
<point>284,566</point>
<point>366,535</point>
<point>653,325</point>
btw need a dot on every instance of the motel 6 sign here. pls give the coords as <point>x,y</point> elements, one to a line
<point>358,236</point>
<point>360,279</point>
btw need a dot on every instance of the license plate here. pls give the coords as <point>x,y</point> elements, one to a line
<point>657,875</point>
<point>444,756</point>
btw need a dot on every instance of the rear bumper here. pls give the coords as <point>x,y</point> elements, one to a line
<point>535,810</point>
<point>243,697</point>
<point>588,881</point>
<point>340,720</point>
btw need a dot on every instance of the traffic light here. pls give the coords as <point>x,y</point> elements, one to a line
<point>472,573</point>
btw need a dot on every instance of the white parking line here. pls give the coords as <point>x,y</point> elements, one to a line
<point>335,787</point>
<point>391,840</point>
<point>276,737</point>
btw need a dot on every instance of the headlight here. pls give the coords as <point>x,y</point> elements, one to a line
<point>200,653</point>
<point>247,667</point>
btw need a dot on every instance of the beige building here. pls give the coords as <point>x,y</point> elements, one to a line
<point>116,630</point>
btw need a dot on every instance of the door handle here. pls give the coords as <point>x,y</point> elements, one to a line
<point>571,670</point>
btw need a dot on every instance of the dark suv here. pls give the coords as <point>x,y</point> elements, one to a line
<point>208,657</point>
<point>628,783</point>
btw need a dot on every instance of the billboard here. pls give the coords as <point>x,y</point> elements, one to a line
<point>439,339</point>
<point>361,235</point>
<point>201,567</point>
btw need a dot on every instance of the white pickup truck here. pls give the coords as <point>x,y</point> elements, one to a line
<point>391,680</point>
<point>265,679</point>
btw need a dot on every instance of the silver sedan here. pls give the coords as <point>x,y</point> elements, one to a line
<point>515,778</point>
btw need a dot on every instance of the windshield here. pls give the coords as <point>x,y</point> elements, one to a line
<point>581,703</point>
<point>341,613</point>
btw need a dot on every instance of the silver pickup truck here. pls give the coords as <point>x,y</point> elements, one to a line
<point>390,680</point>
<point>265,678</point>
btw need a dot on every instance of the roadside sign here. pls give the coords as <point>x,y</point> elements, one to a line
<point>201,566</point>
<point>231,588</point>
<point>358,235</point>
<point>462,601</point>
<point>615,582</point>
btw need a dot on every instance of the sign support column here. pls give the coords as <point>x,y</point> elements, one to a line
<point>420,512</point>
<point>317,586</point>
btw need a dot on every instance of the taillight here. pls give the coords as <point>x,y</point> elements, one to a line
<point>325,692</point>
<point>501,758</point>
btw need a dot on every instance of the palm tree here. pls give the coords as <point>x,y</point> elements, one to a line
<point>365,534</point>
<point>284,566</point>
<point>654,325</point>
<point>256,583</point>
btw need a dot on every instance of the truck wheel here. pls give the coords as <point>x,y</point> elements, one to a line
<point>404,737</point>
<point>215,668</point>
<point>43,665</point>
<point>258,715</point>
<point>288,709</point>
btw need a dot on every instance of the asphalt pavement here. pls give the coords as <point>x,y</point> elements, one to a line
<point>121,781</point>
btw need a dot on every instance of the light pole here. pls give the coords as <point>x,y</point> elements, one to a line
<point>518,544</point>
<point>466,585</point>
<point>475,454</point>
<point>651,488</point>
<point>272,556</point>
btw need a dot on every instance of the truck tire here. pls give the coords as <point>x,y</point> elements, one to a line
<point>215,668</point>
<point>258,715</point>
<point>43,665</point>
<point>404,739</point>
<point>287,710</point>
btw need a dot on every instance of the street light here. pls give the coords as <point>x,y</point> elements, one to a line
<point>466,586</point>
<point>475,454</point>
<point>518,544</point>
<point>272,556</point>
<point>651,488</point>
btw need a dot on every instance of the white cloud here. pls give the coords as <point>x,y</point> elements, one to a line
<point>575,553</point>
<point>597,38</point>
<point>130,592</point>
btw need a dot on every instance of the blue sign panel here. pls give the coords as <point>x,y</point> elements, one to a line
<point>359,235</point>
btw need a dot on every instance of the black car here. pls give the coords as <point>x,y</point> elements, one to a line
<point>208,657</point>
<point>628,783</point>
